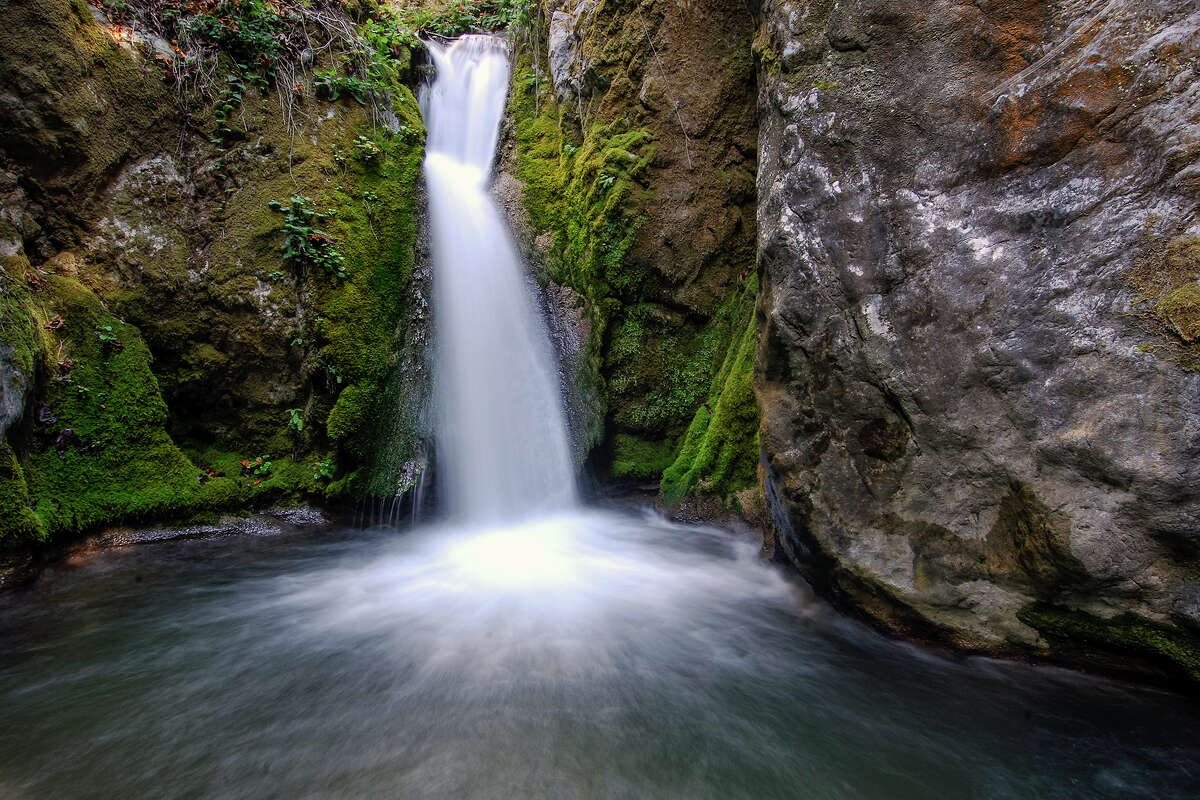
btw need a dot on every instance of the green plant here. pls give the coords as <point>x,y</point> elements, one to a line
<point>331,86</point>
<point>295,420</point>
<point>464,16</point>
<point>324,470</point>
<point>305,245</point>
<point>226,103</point>
<point>367,151</point>
<point>248,29</point>
<point>408,134</point>
<point>275,276</point>
<point>257,466</point>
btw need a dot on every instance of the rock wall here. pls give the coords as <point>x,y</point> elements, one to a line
<point>632,146</point>
<point>980,255</point>
<point>212,294</point>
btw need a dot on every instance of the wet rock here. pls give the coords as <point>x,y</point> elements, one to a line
<point>13,386</point>
<point>976,365</point>
<point>570,70</point>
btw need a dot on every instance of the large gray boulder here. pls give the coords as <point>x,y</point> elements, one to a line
<point>978,364</point>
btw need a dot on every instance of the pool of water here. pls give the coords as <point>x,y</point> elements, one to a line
<point>596,654</point>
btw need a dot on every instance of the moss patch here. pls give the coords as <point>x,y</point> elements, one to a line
<point>719,454</point>
<point>667,374</point>
<point>101,453</point>
<point>1167,279</point>
<point>1170,647</point>
<point>635,458</point>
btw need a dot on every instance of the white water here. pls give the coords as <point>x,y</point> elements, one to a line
<point>503,441</point>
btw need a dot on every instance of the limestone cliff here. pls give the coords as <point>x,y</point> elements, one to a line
<point>980,257</point>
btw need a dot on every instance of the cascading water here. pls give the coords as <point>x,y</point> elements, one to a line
<point>503,440</point>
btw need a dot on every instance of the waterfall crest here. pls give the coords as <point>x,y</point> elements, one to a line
<point>503,446</point>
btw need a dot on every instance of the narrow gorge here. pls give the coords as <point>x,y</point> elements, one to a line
<point>590,398</point>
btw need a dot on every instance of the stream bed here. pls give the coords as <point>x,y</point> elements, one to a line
<point>594,654</point>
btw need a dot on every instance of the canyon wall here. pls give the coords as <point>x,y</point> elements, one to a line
<point>211,293</point>
<point>629,170</point>
<point>980,314</point>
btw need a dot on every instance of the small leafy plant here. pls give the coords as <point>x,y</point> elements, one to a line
<point>367,151</point>
<point>257,466</point>
<point>295,420</point>
<point>407,133</point>
<point>108,338</point>
<point>324,470</point>
<point>304,244</point>
<point>332,86</point>
<point>226,103</point>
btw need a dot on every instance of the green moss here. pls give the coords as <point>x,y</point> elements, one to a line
<point>1128,634</point>
<point>1181,311</point>
<point>351,411</point>
<point>719,454</point>
<point>17,520</point>
<point>236,485</point>
<point>106,456</point>
<point>654,365</point>
<point>1167,279</point>
<point>634,458</point>
<point>363,319</point>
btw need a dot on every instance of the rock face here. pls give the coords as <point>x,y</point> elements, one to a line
<point>155,338</point>
<point>977,362</point>
<point>632,143</point>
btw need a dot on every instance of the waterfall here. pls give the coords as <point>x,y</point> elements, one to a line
<point>503,445</point>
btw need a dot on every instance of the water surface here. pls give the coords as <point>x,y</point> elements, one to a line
<point>588,655</point>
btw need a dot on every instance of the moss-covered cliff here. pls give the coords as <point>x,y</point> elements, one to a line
<point>209,243</point>
<point>633,138</point>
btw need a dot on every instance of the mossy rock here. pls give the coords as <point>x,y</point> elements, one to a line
<point>101,453</point>
<point>1126,640</point>
<point>1167,279</point>
<point>663,372</point>
<point>1181,311</point>
<point>719,453</point>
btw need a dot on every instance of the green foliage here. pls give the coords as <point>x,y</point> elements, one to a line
<point>295,420</point>
<point>366,150</point>
<point>249,30</point>
<point>324,470</point>
<point>305,245</point>
<point>332,86</point>
<point>409,134</point>
<point>466,16</point>
<point>257,466</point>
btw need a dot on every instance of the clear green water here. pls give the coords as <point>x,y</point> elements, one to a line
<point>587,655</point>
